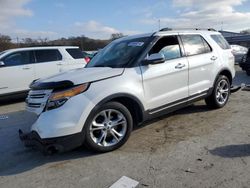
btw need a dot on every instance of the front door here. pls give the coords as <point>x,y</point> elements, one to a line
<point>166,84</point>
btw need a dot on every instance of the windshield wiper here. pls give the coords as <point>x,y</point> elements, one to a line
<point>103,66</point>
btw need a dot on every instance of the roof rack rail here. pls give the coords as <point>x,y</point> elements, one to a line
<point>170,29</point>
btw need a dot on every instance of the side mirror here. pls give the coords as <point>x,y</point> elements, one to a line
<point>2,64</point>
<point>156,58</point>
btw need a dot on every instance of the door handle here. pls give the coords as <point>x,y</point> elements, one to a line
<point>59,63</point>
<point>180,66</point>
<point>213,58</point>
<point>26,68</point>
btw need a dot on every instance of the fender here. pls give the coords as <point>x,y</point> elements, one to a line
<point>120,95</point>
<point>219,73</point>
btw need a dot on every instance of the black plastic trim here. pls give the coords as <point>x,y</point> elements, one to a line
<point>17,93</point>
<point>51,85</point>
<point>117,95</point>
<point>224,69</point>
<point>176,105</point>
<point>51,145</point>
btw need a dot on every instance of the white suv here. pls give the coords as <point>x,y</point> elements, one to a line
<point>19,67</point>
<point>131,80</point>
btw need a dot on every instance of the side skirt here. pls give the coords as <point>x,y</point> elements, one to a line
<point>171,107</point>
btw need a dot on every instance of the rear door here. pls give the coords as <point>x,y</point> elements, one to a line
<point>74,58</point>
<point>47,62</point>
<point>201,58</point>
<point>17,72</point>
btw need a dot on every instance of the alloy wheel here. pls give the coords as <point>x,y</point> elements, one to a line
<point>222,92</point>
<point>108,127</point>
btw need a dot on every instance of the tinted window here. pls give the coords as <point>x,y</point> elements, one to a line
<point>18,58</point>
<point>75,53</point>
<point>47,55</point>
<point>195,44</point>
<point>168,46</point>
<point>220,40</point>
<point>206,46</point>
<point>119,53</point>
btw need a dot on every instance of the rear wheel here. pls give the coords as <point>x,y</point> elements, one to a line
<point>248,72</point>
<point>108,127</point>
<point>220,94</point>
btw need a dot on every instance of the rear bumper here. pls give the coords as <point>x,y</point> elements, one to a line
<point>51,145</point>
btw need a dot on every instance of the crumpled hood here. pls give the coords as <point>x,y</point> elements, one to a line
<point>84,75</point>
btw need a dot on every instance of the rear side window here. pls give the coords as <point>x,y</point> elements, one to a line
<point>47,55</point>
<point>18,58</point>
<point>221,41</point>
<point>195,44</point>
<point>75,53</point>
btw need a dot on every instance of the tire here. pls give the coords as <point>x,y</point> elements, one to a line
<point>108,127</point>
<point>218,99</point>
<point>248,72</point>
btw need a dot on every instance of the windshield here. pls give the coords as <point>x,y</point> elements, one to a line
<point>118,53</point>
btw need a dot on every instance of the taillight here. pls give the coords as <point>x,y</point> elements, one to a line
<point>87,59</point>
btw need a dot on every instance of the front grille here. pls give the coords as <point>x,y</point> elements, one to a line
<point>36,100</point>
<point>34,105</point>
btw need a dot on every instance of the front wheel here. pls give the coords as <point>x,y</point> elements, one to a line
<point>220,94</point>
<point>108,127</point>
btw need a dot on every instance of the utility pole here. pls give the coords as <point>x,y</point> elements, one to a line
<point>17,41</point>
<point>221,26</point>
<point>159,24</point>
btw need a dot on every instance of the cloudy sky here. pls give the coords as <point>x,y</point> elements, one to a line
<point>99,19</point>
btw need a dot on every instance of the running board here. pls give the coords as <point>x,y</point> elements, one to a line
<point>234,89</point>
<point>243,87</point>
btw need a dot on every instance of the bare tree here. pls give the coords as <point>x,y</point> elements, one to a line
<point>116,36</point>
<point>247,31</point>
<point>5,42</point>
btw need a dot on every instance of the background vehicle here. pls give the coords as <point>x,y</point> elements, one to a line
<point>238,52</point>
<point>88,56</point>
<point>131,80</point>
<point>19,67</point>
<point>245,63</point>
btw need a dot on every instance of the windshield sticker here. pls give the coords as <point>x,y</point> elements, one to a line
<point>135,44</point>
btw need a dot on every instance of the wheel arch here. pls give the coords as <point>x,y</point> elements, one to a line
<point>132,103</point>
<point>225,72</point>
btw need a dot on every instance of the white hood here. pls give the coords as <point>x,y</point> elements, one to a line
<point>84,75</point>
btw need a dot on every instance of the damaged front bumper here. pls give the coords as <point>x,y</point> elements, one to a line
<point>51,145</point>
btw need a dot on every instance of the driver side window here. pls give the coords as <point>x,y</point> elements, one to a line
<point>167,46</point>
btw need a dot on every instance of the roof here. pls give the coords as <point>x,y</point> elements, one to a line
<point>191,31</point>
<point>169,32</point>
<point>41,48</point>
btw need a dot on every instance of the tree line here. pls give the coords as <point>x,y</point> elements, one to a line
<point>84,43</point>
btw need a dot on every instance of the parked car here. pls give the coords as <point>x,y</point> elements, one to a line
<point>88,56</point>
<point>131,80</point>
<point>19,67</point>
<point>245,63</point>
<point>238,52</point>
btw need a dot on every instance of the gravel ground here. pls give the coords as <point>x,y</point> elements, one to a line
<point>193,147</point>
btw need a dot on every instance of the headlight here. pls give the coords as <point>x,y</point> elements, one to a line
<point>57,99</point>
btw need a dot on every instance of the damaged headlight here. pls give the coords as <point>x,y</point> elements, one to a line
<point>57,99</point>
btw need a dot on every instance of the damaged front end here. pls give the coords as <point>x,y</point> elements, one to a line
<point>51,146</point>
